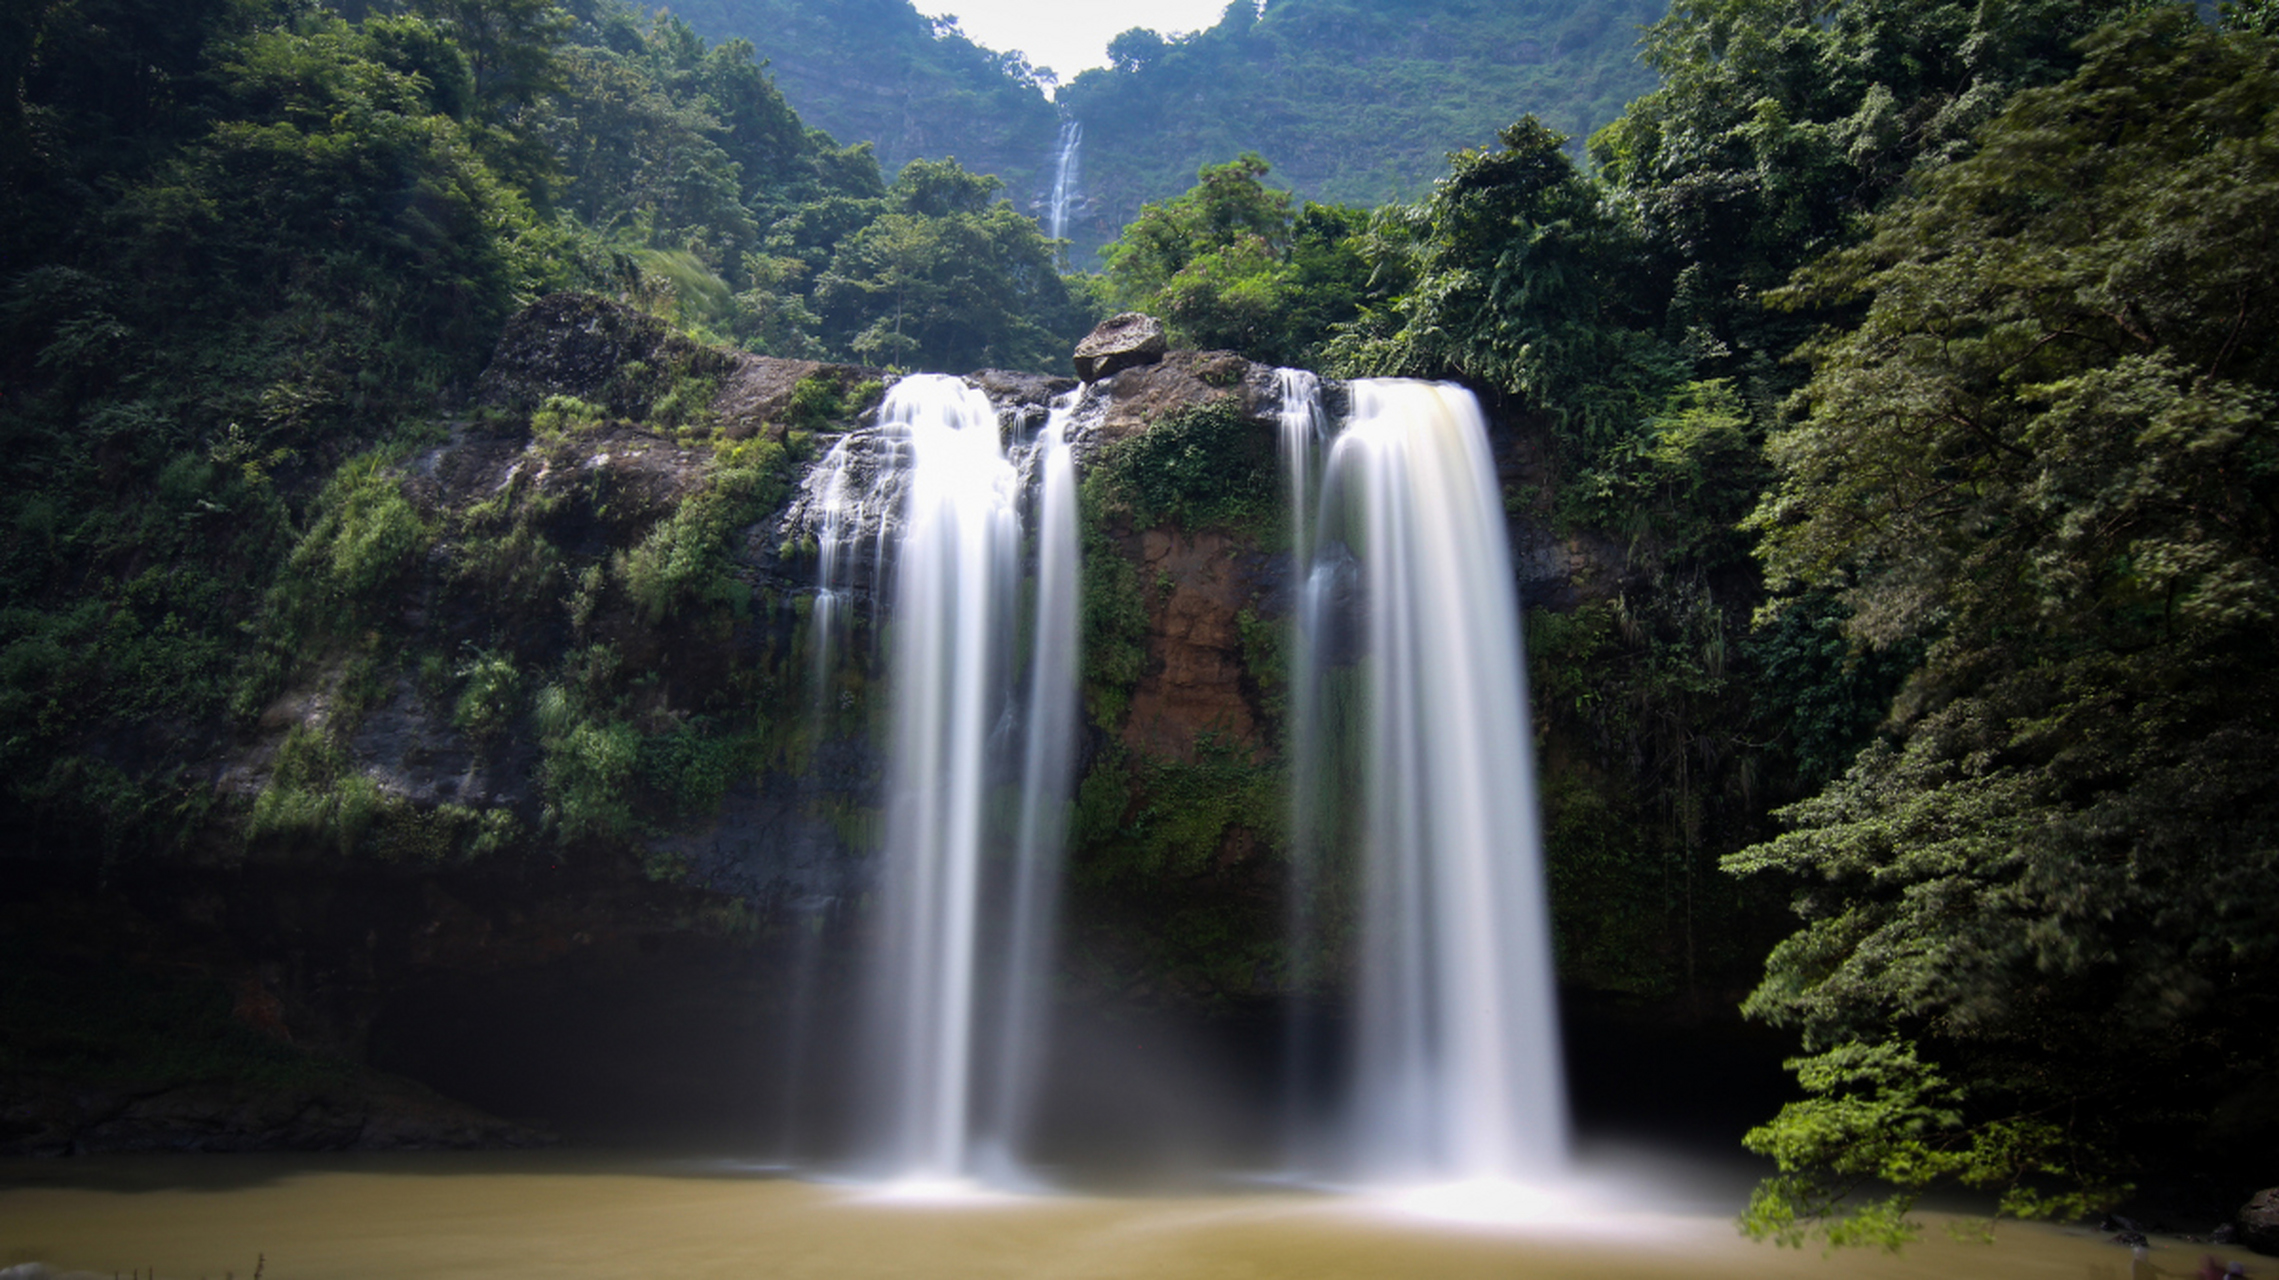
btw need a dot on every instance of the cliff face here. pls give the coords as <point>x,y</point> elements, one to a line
<point>562,734</point>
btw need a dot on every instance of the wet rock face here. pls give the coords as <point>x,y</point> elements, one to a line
<point>1198,585</point>
<point>1120,342</point>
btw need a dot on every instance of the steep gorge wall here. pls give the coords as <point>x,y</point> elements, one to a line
<point>559,732</point>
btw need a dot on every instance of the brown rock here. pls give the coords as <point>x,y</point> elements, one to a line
<point>1120,342</point>
<point>2258,1221</point>
<point>1137,398</point>
<point>1192,683</point>
<point>578,344</point>
<point>757,391</point>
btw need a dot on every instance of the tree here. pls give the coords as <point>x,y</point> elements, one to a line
<point>509,45</point>
<point>1133,50</point>
<point>1779,123</point>
<point>2045,453</point>
<point>1234,263</point>
<point>1516,276</point>
<point>947,277</point>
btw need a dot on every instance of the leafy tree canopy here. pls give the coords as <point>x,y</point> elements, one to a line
<point>1779,123</point>
<point>2046,453</point>
<point>949,276</point>
<point>1236,264</point>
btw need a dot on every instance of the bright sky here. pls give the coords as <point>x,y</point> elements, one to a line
<point>1069,35</point>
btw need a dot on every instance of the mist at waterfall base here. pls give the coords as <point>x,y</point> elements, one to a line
<point>910,1033</point>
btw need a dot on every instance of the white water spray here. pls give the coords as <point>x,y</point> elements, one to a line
<point>1411,607</point>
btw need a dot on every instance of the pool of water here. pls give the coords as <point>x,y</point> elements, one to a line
<point>569,1215</point>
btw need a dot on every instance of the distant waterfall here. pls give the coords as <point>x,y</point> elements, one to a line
<point>1416,758</point>
<point>1066,176</point>
<point>965,932</point>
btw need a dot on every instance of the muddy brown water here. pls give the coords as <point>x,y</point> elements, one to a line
<point>568,1216</point>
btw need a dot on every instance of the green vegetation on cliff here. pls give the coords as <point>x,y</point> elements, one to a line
<point>2012,413</point>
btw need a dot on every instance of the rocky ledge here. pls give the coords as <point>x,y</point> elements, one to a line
<point>364,1111</point>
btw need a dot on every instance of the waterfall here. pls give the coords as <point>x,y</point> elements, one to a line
<point>849,503</point>
<point>967,893</point>
<point>1046,776</point>
<point>1303,428</point>
<point>1416,760</point>
<point>1065,176</point>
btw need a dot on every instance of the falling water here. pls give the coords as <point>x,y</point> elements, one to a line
<point>1303,428</point>
<point>850,505</point>
<point>965,931</point>
<point>1045,779</point>
<point>1413,646</point>
<point>1065,176</point>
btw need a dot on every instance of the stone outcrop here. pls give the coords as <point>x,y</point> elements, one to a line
<point>603,352</point>
<point>1118,343</point>
<point>363,1112</point>
<point>756,392</point>
<point>2258,1221</point>
<point>1023,400</point>
<point>1196,681</point>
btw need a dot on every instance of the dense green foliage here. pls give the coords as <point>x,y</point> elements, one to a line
<point>1199,467</point>
<point>2017,542</point>
<point>2050,460</point>
<point>1238,265</point>
<point>949,274</point>
<point>253,253</point>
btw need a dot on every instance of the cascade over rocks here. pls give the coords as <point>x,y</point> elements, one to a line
<point>1118,343</point>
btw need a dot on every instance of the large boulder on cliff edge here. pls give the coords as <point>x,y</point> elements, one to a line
<point>1120,342</point>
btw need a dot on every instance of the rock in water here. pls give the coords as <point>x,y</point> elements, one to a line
<point>1120,342</point>
<point>2259,1221</point>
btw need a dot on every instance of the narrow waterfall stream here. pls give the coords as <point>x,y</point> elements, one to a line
<point>1066,175</point>
<point>1414,762</point>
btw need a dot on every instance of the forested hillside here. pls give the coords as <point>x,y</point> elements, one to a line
<point>878,71</point>
<point>1352,100</point>
<point>245,244</point>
